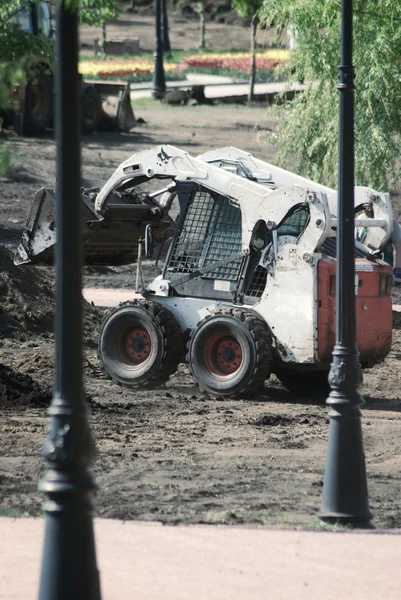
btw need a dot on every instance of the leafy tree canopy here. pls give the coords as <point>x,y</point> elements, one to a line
<point>247,8</point>
<point>18,46</point>
<point>308,129</point>
<point>14,42</point>
<point>97,12</point>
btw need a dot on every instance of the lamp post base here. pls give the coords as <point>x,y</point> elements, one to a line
<point>345,494</point>
<point>158,94</point>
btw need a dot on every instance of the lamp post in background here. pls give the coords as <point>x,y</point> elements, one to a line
<point>345,496</point>
<point>165,32</point>
<point>69,567</point>
<point>159,82</point>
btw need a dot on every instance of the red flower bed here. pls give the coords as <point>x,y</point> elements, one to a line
<point>124,73</point>
<point>241,63</point>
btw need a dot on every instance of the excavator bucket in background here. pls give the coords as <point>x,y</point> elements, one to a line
<point>111,239</point>
<point>108,105</point>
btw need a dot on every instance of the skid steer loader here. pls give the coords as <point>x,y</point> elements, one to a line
<point>248,285</point>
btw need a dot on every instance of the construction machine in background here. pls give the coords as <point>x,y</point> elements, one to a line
<point>248,284</point>
<point>104,105</point>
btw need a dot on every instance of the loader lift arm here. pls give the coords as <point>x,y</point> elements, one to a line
<point>123,225</point>
<point>245,164</point>
<point>172,163</point>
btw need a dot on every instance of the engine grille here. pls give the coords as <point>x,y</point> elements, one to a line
<point>210,232</point>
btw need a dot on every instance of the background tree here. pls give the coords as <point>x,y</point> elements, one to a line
<point>308,125</point>
<point>97,13</point>
<point>250,9</point>
<point>16,46</point>
<point>200,9</point>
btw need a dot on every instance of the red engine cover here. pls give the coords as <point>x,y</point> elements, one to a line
<point>373,309</point>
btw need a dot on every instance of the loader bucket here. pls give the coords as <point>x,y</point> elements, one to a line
<point>115,98</point>
<point>110,240</point>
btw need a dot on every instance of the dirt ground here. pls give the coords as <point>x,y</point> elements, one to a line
<point>172,454</point>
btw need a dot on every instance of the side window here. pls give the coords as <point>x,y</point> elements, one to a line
<point>22,20</point>
<point>44,20</point>
<point>295,223</point>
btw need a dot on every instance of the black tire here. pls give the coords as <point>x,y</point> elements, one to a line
<point>314,384</point>
<point>140,344</point>
<point>91,110</point>
<point>38,108</point>
<point>229,354</point>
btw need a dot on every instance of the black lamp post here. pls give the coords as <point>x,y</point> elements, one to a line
<point>159,82</point>
<point>69,567</point>
<point>165,32</point>
<point>345,496</point>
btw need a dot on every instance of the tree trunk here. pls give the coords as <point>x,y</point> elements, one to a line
<point>254,27</point>
<point>202,25</point>
<point>104,38</point>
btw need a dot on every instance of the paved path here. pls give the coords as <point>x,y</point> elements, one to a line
<point>106,297</point>
<point>217,87</point>
<point>149,561</point>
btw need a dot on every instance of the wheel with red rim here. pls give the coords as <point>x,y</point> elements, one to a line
<point>223,354</point>
<point>137,343</point>
<point>229,353</point>
<point>140,343</point>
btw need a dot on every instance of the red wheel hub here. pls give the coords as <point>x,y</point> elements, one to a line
<point>138,344</point>
<point>223,354</point>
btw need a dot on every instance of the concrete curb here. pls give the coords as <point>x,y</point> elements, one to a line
<point>217,88</point>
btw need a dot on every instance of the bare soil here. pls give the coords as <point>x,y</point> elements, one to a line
<point>173,454</point>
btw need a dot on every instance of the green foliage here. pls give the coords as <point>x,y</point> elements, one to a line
<point>97,12</point>
<point>15,43</point>
<point>5,511</point>
<point>247,8</point>
<point>308,129</point>
<point>4,160</point>
<point>250,8</point>
<point>16,46</point>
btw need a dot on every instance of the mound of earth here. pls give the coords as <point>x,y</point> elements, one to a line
<point>396,320</point>
<point>19,389</point>
<point>27,303</point>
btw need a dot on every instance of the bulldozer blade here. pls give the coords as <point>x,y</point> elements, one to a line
<point>117,111</point>
<point>111,240</point>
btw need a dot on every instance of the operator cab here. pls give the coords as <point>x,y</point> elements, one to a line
<point>34,19</point>
<point>206,258</point>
